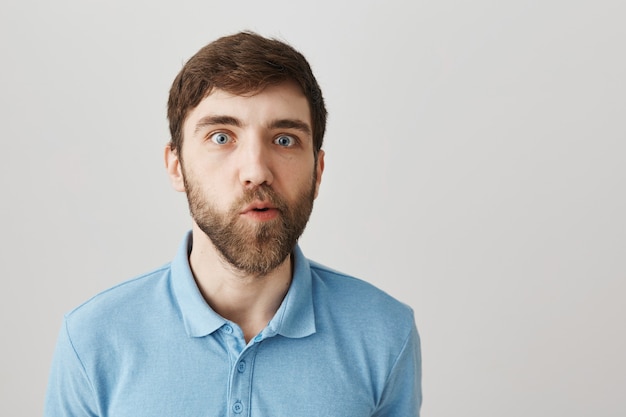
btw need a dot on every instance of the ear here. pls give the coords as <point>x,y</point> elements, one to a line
<point>174,169</point>
<point>320,170</point>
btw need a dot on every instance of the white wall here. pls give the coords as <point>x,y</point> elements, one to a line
<point>475,170</point>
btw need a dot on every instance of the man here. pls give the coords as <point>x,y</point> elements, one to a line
<point>240,322</point>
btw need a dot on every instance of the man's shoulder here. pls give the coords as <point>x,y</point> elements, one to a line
<point>355,296</point>
<point>128,297</point>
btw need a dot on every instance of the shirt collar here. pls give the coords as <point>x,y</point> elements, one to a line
<point>200,319</point>
<point>295,317</point>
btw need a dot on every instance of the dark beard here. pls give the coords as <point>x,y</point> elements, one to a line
<point>252,249</point>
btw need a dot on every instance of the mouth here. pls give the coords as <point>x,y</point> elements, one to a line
<point>258,207</point>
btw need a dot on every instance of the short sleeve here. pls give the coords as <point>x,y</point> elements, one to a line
<point>70,392</point>
<point>402,395</point>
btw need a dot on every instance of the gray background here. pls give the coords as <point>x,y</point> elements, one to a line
<point>475,170</point>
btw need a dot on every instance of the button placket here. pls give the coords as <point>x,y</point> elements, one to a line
<point>241,381</point>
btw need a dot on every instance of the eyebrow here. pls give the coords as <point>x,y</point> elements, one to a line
<point>291,124</point>
<point>216,120</point>
<point>213,120</point>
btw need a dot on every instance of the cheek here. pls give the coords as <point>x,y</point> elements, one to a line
<point>306,186</point>
<point>296,175</point>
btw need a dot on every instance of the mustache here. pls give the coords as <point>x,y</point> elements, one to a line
<point>262,193</point>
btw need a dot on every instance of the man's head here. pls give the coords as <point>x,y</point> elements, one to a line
<point>247,121</point>
<point>242,64</point>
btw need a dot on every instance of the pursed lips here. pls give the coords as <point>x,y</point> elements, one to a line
<point>260,211</point>
<point>257,206</point>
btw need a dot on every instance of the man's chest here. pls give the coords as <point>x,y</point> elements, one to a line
<point>263,381</point>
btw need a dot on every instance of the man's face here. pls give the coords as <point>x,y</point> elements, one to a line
<point>250,174</point>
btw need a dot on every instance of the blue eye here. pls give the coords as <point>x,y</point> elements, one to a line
<point>220,138</point>
<point>285,141</point>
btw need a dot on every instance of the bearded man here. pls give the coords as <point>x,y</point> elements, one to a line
<point>240,322</point>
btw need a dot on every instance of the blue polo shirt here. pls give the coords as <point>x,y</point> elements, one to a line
<point>152,346</point>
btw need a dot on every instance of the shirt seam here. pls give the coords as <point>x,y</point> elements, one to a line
<point>82,365</point>
<point>393,367</point>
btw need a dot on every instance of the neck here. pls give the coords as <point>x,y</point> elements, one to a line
<point>248,300</point>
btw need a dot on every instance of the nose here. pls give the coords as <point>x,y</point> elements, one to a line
<point>254,164</point>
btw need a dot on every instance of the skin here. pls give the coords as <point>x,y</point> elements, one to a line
<point>234,145</point>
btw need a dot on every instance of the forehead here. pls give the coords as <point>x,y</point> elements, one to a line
<point>275,102</point>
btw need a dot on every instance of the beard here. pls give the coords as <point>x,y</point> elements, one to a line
<point>255,249</point>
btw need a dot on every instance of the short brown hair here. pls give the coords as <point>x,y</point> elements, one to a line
<point>244,63</point>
